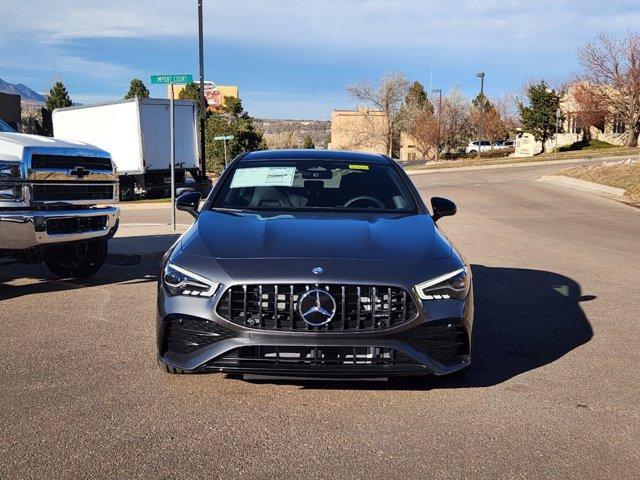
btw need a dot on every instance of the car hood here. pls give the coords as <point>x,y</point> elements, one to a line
<point>397,238</point>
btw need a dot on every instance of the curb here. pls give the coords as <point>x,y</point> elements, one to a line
<point>582,185</point>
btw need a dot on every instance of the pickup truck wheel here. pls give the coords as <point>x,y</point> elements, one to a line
<point>78,259</point>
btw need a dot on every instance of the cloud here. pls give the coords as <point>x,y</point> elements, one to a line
<point>512,38</point>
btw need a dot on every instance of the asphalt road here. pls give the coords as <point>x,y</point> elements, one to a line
<point>554,391</point>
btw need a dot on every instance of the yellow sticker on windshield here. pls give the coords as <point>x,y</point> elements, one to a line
<point>359,167</point>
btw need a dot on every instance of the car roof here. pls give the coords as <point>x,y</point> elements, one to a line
<point>301,154</point>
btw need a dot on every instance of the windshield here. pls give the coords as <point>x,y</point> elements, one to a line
<point>314,185</point>
<point>6,128</point>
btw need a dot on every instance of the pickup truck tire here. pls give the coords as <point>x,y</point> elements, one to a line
<point>78,259</point>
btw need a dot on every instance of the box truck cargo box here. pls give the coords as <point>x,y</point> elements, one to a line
<point>136,134</point>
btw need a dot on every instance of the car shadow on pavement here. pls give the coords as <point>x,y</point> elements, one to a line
<point>524,319</point>
<point>133,259</point>
<point>22,280</point>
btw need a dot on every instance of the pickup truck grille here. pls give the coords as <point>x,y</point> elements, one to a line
<point>69,162</point>
<point>56,192</point>
<point>358,307</point>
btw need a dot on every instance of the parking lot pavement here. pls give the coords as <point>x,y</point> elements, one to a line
<point>553,392</point>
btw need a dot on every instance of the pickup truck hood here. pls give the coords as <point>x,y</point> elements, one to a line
<point>12,145</point>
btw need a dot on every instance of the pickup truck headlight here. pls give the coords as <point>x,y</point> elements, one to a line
<point>10,192</point>
<point>450,285</point>
<point>9,170</point>
<point>180,281</point>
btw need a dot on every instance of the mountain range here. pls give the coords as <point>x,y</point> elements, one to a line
<point>26,93</point>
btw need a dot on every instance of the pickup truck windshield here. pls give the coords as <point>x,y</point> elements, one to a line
<point>339,186</point>
<point>4,128</point>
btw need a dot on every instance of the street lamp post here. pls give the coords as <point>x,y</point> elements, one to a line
<point>203,107</point>
<point>439,92</point>
<point>481,76</point>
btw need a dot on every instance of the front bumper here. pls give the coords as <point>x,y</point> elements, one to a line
<point>435,343</point>
<point>24,229</point>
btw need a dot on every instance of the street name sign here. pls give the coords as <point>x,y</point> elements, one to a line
<point>155,79</point>
<point>227,137</point>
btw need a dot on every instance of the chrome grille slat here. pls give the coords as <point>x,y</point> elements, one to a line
<point>358,307</point>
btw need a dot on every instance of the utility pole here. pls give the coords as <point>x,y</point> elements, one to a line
<point>439,92</point>
<point>203,105</point>
<point>481,76</point>
<point>558,113</point>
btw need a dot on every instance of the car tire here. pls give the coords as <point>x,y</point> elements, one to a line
<point>78,259</point>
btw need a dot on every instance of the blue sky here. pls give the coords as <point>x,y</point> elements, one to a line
<point>293,59</point>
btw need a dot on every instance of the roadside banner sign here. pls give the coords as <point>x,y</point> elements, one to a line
<point>155,79</point>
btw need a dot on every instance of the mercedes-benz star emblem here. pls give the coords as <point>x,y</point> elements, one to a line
<point>317,307</point>
<point>317,270</point>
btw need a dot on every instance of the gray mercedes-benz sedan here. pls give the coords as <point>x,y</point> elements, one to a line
<point>314,263</point>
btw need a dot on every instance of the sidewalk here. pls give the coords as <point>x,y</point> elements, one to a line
<point>142,243</point>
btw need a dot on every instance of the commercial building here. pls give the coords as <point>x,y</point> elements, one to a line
<point>362,130</point>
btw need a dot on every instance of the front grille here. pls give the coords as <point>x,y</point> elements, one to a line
<point>69,162</point>
<point>293,356</point>
<point>184,334</point>
<point>58,226</point>
<point>358,307</point>
<point>442,340</point>
<point>70,192</point>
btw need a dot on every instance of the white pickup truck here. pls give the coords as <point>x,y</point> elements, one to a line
<point>57,203</point>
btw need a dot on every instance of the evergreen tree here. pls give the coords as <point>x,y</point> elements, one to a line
<point>232,121</point>
<point>137,89</point>
<point>191,91</point>
<point>58,97</point>
<point>308,142</point>
<point>539,117</point>
<point>417,98</point>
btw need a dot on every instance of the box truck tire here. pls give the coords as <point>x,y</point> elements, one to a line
<point>127,189</point>
<point>77,259</point>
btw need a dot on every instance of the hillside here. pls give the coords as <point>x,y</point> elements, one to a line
<point>26,93</point>
<point>287,133</point>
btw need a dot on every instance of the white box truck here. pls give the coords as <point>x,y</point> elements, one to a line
<point>136,134</point>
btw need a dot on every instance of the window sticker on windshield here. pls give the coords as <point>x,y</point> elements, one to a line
<point>263,177</point>
<point>359,167</point>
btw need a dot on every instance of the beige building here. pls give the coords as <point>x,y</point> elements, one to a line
<point>362,130</point>
<point>612,130</point>
<point>409,150</point>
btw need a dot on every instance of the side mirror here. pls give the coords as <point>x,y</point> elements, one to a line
<point>189,202</point>
<point>442,207</point>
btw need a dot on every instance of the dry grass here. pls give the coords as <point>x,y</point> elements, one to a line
<point>623,174</point>
<point>474,162</point>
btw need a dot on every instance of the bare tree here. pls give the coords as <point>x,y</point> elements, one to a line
<point>489,121</point>
<point>455,124</point>
<point>386,96</point>
<point>612,79</point>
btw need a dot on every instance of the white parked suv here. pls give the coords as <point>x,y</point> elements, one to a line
<point>473,147</point>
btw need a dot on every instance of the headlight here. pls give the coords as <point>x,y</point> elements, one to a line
<point>9,170</point>
<point>450,285</point>
<point>10,192</point>
<point>180,281</point>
